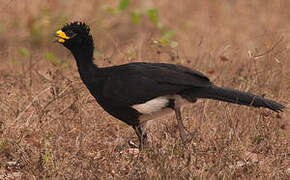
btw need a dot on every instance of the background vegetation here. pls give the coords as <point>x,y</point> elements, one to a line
<point>52,128</point>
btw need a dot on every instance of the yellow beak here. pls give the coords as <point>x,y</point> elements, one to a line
<point>60,36</point>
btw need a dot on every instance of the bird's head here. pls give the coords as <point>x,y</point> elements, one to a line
<point>75,35</point>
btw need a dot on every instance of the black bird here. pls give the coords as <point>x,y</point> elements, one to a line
<point>138,92</point>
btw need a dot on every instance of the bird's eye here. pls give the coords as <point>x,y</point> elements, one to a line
<point>70,33</point>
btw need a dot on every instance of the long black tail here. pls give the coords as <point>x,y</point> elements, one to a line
<point>238,97</point>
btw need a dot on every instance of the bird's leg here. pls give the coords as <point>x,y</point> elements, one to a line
<point>142,135</point>
<point>183,132</point>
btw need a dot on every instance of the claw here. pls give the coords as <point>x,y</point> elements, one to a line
<point>187,137</point>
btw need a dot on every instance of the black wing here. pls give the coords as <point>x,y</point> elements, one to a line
<point>137,83</point>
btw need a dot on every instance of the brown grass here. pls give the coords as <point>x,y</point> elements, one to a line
<point>52,128</point>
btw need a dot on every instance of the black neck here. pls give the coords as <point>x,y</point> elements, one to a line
<point>84,59</point>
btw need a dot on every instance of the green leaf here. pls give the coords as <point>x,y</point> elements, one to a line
<point>166,37</point>
<point>243,78</point>
<point>123,5</point>
<point>109,9</point>
<point>153,15</point>
<point>164,41</point>
<point>173,44</point>
<point>24,52</point>
<point>53,58</point>
<point>46,157</point>
<point>133,55</point>
<point>136,17</point>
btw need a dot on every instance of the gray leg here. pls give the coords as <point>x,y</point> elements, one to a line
<point>142,135</point>
<point>183,132</point>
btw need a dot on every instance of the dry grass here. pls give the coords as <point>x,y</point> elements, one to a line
<point>51,128</point>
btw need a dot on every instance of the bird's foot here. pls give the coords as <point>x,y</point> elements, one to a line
<point>186,136</point>
<point>132,144</point>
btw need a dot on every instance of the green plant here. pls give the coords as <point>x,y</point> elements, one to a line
<point>166,34</point>
<point>55,60</point>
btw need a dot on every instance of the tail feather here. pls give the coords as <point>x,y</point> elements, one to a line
<point>238,97</point>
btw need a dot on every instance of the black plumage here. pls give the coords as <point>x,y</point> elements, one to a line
<point>135,92</point>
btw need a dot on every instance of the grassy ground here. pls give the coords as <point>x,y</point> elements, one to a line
<point>52,128</point>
